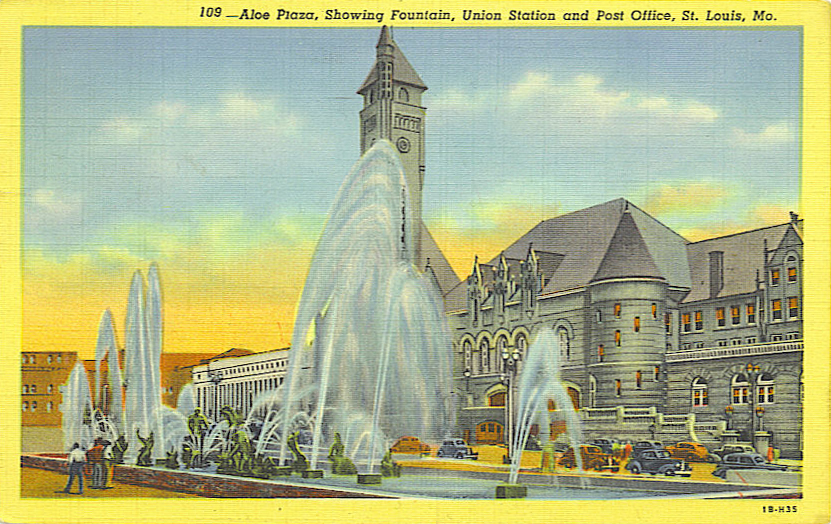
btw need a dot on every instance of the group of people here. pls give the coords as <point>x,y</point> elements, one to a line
<point>97,457</point>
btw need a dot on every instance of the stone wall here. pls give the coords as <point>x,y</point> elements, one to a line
<point>203,484</point>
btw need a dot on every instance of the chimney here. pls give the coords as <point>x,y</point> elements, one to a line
<point>716,272</point>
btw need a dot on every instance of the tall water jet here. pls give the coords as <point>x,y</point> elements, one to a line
<point>106,347</point>
<point>76,409</point>
<point>370,345</point>
<point>143,393</point>
<point>539,382</point>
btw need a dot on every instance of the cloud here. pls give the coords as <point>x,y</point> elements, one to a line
<point>772,135</point>
<point>52,204</point>
<point>696,196</point>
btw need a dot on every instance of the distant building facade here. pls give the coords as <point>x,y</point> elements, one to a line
<point>236,378</point>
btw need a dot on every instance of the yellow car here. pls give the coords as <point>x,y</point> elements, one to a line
<point>409,445</point>
<point>689,451</point>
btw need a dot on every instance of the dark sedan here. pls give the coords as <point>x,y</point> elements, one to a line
<point>658,462</point>
<point>745,461</point>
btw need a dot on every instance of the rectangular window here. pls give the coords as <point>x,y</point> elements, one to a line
<point>774,277</point>
<point>791,274</point>
<point>740,395</point>
<point>793,307</point>
<point>617,387</point>
<point>750,340</point>
<point>638,379</point>
<point>654,310</point>
<point>699,321</point>
<point>637,324</point>
<point>776,307</point>
<point>617,338</point>
<point>599,315</point>
<point>720,316</point>
<point>699,345</point>
<point>792,336</point>
<point>735,315</point>
<point>722,343</point>
<point>735,342</point>
<point>668,323</point>
<point>685,322</point>
<point>657,376</point>
<point>617,310</point>
<point>685,345</point>
<point>776,338</point>
<point>601,352</point>
<point>751,313</point>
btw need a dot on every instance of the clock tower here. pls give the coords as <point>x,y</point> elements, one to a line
<point>392,110</point>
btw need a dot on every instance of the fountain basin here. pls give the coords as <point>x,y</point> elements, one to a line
<point>511,491</point>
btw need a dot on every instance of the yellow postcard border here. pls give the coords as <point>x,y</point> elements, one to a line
<point>811,16</point>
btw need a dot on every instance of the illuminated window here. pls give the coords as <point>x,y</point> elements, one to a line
<point>617,338</point>
<point>668,323</point>
<point>654,310</point>
<point>699,321</point>
<point>617,310</point>
<point>637,324</point>
<point>617,387</point>
<point>774,277</point>
<point>793,307</point>
<point>657,376</point>
<point>33,388</point>
<point>720,316</point>
<point>638,379</point>
<point>764,389</point>
<point>751,313</point>
<point>699,392</point>
<point>600,353</point>
<point>685,322</point>
<point>776,307</point>
<point>740,388</point>
<point>497,399</point>
<point>735,315</point>
<point>791,274</point>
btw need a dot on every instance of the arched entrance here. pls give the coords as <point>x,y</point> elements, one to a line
<point>490,432</point>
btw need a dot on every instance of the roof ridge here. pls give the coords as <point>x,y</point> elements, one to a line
<point>741,233</point>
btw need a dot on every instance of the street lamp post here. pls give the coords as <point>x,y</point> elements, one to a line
<point>728,410</point>
<point>467,387</point>
<point>753,373</point>
<point>511,363</point>
<point>760,413</point>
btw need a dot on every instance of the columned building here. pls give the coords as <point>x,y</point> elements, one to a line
<point>236,378</point>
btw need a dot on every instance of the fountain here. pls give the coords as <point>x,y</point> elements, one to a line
<point>539,382</point>
<point>371,354</point>
<point>77,409</point>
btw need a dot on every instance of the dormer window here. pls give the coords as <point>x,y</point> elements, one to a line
<point>403,95</point>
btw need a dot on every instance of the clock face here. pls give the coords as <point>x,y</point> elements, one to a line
<point>402,144</point>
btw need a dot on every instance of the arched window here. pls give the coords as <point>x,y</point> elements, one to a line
<point>25,406</point>
<point>468,353</point>
<point>25,389</point>
<point>739,387</point>
<point>592,391</point>
<point>497,399</point>
<point>565,346</point>
<point>764,389</point>
<point>483,349</point>
<point>403,95</point>
<point>48,359</point>
<point>699,392</point>
<point>521,346</point>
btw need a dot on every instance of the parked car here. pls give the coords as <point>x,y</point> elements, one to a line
<point>745,461</point>
<point>658,462</point>
<point>717,454</point>
<point>606,444</point>
<point>643,445</point>
<point>593,458</point>
<point>409,445</point>
<point>457,448</point>
<point>690,451</point>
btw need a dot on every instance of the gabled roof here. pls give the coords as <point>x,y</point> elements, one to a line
<point>581,240</point>
<point>445,276</point>
<point>402,71</point>
<point>743,258</point>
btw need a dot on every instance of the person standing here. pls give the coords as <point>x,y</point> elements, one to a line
<point>95,456</point>
<point>77,461</point>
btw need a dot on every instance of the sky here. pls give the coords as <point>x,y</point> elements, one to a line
<point>217,153</point>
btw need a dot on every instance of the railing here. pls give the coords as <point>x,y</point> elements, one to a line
<point>735,351</point>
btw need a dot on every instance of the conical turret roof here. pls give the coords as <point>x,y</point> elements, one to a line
<point>628,255</point>
<point>402,71</point>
